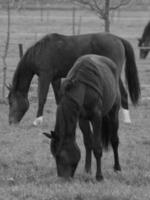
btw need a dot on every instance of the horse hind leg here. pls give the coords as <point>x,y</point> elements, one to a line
<point>97,143</point>
<point>114,121</point>
<point>124,102</point>
<point>87,138</point>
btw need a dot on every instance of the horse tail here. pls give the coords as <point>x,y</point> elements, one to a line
<point>131,73</point>
<point>106,132</point>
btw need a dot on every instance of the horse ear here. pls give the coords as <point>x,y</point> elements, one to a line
<point>47,135</point>
<point>9,87</point>
<point>68,84</point>
<point>53,135</point>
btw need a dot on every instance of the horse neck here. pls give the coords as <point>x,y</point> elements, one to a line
<point>22,78</point>
<point>70,111</point>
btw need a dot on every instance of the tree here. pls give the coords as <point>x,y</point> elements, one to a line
<point>103,7</point>
<point>6,49</point>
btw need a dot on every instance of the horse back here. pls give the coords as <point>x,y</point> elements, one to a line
<point>100,76</point>
<point>65,50</point>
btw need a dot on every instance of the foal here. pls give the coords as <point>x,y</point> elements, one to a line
<point>90,94</point>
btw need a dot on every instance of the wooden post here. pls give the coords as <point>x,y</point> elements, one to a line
<point>107,22</point>
<point>20,50</point>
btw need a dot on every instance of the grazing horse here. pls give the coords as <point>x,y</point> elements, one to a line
<point>144,41</point>
<point>90,94</point>
<point>53,56</point>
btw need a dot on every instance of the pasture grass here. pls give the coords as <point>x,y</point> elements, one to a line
<point>27,169</point>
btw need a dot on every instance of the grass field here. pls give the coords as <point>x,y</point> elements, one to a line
<point>27,169</point>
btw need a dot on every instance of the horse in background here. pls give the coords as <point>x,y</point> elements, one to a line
<point>144,41</point>
<point>53,56</point>
<point>90,94</point>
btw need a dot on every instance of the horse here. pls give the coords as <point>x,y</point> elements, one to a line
<point>53,56</point>
<point>89,94</point>
<point>144,41</point>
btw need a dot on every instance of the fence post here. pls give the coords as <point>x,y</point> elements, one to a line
<point>20,50</point>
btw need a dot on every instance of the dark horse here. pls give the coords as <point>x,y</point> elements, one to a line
<point>53,56</point>
<point>90,94</point>
<point>144,41</point>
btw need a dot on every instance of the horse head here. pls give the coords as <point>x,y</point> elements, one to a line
<point>18,105</point>
<point>143,43</point>
<point>67,155</point>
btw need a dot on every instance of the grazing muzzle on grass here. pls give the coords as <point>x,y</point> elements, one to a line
<point>18,105</point>
<point>67,155</point>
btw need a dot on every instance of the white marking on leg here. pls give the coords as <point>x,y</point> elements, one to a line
<point>126,114</point>
<point>38,121</point>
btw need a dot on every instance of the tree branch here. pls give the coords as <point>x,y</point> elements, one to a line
<point>93,5</point>
<point>6,48</point>
<point>122,3</point>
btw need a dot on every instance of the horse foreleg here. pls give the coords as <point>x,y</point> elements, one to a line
<point>87,137</point>
<point>97,144</point>
<point>43,87</point>
<point>56,88</point>
<point>124,102</point>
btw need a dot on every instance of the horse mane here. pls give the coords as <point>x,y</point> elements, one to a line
<point>31,56</point>
<point>66,116</point>
<point>37,48</point>
<point>18,71</point>
<point>146,31</point>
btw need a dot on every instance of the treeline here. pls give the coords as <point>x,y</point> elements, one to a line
<point>47,4</point>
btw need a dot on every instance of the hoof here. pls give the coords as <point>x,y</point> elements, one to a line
<point>99,178</point>
<point>117,168</point>
<point>88,172</point>
<point>38,121</point>
<point>87,176</point>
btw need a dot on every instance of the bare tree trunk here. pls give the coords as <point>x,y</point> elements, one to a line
<point>106,17</point>
<point>20,50</point>
<point>41,11</point>
<point>102,8</point>
<point>6,50</point>
<point>79,25</point>
<point>73,20</point>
